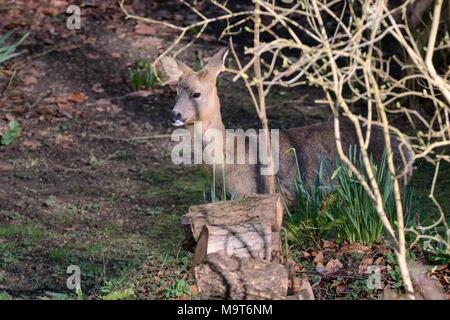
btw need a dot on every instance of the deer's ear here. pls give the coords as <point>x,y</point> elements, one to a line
<point>174,70</point>
<point>216,62</point>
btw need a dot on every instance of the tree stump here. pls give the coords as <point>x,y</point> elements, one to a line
<point>225,277</point>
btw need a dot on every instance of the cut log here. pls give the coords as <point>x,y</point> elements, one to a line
<point>248,240</point>
<point>301,290</point>
<point>276,244</point>
<point>225,277</point>
<point>236,212</point>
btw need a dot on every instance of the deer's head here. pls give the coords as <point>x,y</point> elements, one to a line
<point>197,98</point>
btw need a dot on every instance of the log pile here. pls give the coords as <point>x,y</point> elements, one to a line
<point>236,247</point>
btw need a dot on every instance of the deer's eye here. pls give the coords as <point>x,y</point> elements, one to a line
<point>196,95</point>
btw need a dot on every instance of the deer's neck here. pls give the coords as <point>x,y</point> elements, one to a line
<point>207,128</point>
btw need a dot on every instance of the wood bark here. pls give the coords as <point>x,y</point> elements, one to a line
<point>236,212</point>
<point>247,240</point>
<point>225,277</point>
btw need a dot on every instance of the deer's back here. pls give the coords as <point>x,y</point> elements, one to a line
<point>311,143</point>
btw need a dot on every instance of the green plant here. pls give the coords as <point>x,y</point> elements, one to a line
<point>59,254</point>
<point>394,273</point>
<point>211,196</point>
<point>5,296</point>
<point>79,292</point>
<point>119,294</point>
<point>8,51</point>
<point>198,65</point>
<point>437,253</point>
<point>3,277</point>
<point>142,75</point>
<point>12,133</point>
<point>362,223</point>
<point>177,288</point>
<point>313,213</point>
<point>337,203</point>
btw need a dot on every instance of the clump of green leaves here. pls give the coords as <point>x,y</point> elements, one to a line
<point>12,133</point>
<point>177,288</point>
<point>336,205</point>
<point>394,273</point>
<point>143,76</point>
<point>362,223</point>
<point>120,294</point>
<point>313,214</point>
<point>5,296</point>
<point>437,252</point>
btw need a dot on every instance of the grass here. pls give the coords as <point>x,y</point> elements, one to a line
<point>181,185</point>
<point>8,51</point>
<point>59,254</point>
<point>9,256</point>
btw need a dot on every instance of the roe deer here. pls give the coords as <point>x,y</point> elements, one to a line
<point>197,101</point>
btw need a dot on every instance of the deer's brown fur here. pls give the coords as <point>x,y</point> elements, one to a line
<point>310,142</point>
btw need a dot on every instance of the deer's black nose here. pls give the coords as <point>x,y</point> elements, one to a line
<point>175,116</point>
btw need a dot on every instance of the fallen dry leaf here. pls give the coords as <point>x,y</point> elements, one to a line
<point>328,244</point>
<point>77,97</point>
<point>142,93</point>
<point>47,110</point>
<point>6,73</point>
<point>97,88</point>
<point>9,117</point>
<point>367,261</point>
<point>33,145</point>
<point>379,261</point>
<point>68,110</point>
<point>64,141</point>
<point>104,105</point>
<point>194,289</point>
<point>354,247</point>
<point>319,258</point>
<point>362,269</point>
<point>116,55</point>
<point>6,167</point>
<point>320,268</point>
<point>302,290</point>
<point>29,80</point>
<point>340,286</point>
<point>144,29</point>
<point>333,266</point>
